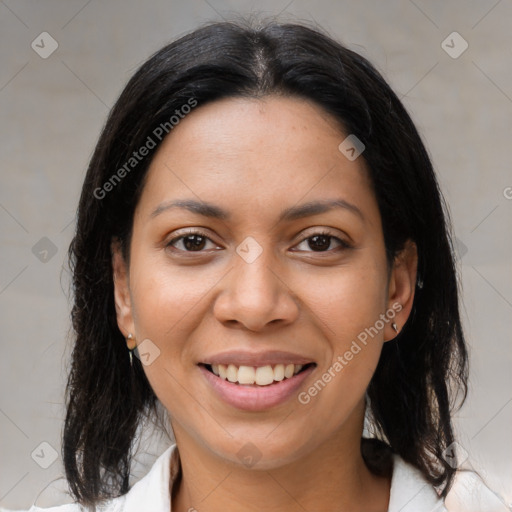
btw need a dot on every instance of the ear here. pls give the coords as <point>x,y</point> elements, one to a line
<point>402,285</point>
<point>122,296</point>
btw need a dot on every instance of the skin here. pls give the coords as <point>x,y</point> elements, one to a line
<point>254,158</point>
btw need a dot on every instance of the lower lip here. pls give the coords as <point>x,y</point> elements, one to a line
<point>256,398</point>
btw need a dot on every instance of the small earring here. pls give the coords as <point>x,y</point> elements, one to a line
<point>394,327</point>
<point>130,337</point>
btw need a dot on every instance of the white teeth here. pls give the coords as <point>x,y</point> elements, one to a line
<point>232,373</point>
<point>261,375</point>
<point>279,372</point>
<point>246,375</point>
<point>264,375</point>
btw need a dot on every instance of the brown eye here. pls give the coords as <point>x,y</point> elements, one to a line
<point>193,241</point>
<point>320,242</point>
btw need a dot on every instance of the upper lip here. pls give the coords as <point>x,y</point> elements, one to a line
<point>244,358</point>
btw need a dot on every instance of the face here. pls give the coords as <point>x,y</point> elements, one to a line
<point>260,318</point>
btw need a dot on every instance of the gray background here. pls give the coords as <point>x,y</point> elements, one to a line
<point>53,108</point>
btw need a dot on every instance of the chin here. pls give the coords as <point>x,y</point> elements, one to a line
<point>260,452</point>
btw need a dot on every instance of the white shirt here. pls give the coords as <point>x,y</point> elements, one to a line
<point>410,492</point>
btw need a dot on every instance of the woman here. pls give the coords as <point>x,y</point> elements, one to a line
<point>261,220</point>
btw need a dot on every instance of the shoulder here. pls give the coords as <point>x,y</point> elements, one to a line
<point>150,493</point>
<point>411,492</point>
<point>60,508</point>
<point>74,507</point>
<point>113,505</point>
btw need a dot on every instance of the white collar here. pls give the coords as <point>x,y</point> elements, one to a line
<point>152,492</point>
<point>410,492</point>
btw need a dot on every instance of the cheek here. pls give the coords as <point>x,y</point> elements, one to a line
<point>349,305</point>
<point>165,303</point>
<point>169,304</point>
<point>348,300</point>
<point>164,295</point>
<point>161,303</point>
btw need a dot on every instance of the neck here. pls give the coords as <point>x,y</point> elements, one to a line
<point>332,475</point>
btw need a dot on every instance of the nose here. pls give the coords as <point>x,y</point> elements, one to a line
<point>255,295</point>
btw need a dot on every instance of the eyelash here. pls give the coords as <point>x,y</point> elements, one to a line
<point>343,243</point>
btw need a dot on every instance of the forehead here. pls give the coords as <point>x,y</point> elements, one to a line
<point>256,153</point>
<point>233,127</point>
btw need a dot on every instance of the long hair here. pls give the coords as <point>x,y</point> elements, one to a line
<point>418,375</point>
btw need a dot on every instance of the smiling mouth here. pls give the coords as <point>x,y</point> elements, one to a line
<point>256,375</point>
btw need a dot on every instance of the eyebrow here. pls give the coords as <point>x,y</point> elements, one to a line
<point>293,213</point>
